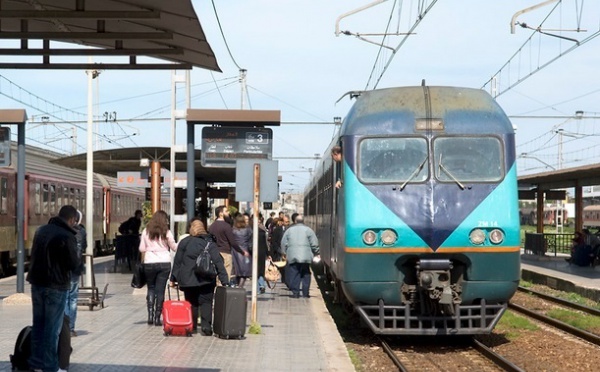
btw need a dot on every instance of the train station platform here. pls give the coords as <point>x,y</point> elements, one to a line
<point>557,273</point>
<point>297,334</point>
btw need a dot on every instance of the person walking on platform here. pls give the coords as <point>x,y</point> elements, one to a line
<point>223,233</point>
<point>198,291</point>
<point>155,243</point>
<point>53,258</point>
<point>299,244</point>
<point>242,263</point>
<point>73,294</point>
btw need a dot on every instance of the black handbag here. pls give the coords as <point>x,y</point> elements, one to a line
<point>139,276</point>
<point>204,266</point>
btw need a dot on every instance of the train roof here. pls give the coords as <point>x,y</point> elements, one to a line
<point>390,110</point>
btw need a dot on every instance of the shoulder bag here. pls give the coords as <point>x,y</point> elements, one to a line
<point>272,274</point>
<point>205,268</point>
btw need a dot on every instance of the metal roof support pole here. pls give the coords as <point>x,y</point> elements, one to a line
<point>21,208</point>
<point>191,171</point>
<point>89,190</point>
<point>177,115</point>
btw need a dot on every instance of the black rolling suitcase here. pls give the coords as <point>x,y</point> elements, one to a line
<point>230,312</point>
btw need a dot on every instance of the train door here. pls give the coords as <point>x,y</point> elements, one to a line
<point>338,165</point>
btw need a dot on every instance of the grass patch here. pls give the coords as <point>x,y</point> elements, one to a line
<point>355,360</point>
<point>576,319</point>
<point>510,324</point>
<point>525,284</point>
<point>255,329</point>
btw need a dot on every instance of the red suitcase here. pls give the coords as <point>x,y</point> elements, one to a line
<point>177,317</point>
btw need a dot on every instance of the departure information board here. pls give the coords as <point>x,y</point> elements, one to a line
<point>222,146</point>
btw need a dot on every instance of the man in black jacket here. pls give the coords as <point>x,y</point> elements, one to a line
<point>53,257</point>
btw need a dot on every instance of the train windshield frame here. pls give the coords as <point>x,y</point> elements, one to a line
<point>393,160</point>
<point>468,159</point>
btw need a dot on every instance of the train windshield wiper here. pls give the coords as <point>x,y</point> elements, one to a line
<point>462,187</point>
<point>414,173</point>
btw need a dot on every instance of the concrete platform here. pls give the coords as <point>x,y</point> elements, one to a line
<point>297,334</point>
<point>559,274</point>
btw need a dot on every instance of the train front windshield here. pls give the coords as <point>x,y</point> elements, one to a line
<point>393,160</point>
<point>468,159</point>
<point>406,159</point>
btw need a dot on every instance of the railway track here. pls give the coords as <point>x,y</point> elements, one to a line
<point>473,355</point>
<point>585,335</point>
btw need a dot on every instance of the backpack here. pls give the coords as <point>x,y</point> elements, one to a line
<point>22,350</point>
<point>124,228</point>
<point>19,359</point>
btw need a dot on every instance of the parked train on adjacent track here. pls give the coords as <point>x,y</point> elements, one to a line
<point>423,235</point>
<point>48,187</point>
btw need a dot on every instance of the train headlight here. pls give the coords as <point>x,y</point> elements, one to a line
<point>388,237</point>
<point>496,236</point>
<point>477,236</point>
<point>369,237</point>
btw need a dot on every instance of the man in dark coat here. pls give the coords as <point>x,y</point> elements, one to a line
<point>53,258</point>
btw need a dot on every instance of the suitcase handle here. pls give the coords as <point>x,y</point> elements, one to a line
<point>169,291</point>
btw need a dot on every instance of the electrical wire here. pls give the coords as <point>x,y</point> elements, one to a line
<point>223,35</point>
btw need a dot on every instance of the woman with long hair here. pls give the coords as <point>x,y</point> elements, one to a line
<point>156,242</point>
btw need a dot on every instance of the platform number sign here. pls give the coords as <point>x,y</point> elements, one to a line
<point>223,146</point>
<point>4,147</point>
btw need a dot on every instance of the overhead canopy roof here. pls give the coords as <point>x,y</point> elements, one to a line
<point>109,162</point>
<point>168,30</point>
<point>587,175</point>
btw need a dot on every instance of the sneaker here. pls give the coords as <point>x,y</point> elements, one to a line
<point>73,333</point>
<point>262,290</point>
<point>297,295</point>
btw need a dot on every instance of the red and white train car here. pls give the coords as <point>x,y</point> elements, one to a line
<point>48,187</point>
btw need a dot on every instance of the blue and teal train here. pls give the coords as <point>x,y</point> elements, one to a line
<point>423,235</point>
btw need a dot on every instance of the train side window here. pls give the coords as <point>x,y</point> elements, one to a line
<point>59,197</point>
<point>77,200</point>
<point>4,195</point>
<point>37,198</point>
<point>52,198</point>
<point>45,199</point>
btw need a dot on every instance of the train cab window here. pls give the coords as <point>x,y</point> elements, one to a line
<point>4,195</point>
<point>468,159</point>
<point>383,160</point>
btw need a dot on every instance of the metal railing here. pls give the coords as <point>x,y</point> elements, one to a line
<point>544,243</point>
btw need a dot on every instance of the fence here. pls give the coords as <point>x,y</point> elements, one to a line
<point>540,244</point>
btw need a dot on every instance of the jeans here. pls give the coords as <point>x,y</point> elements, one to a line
<point>48,313</point>
<point>299,273</point>
<point>157,275</point>
<point>262,283</point>
<point>71,307</point>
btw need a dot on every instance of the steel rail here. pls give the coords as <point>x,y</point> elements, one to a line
<point>496,358</point>
<point>585,335</point>
<point>388,350</point>
<point>561,301</point>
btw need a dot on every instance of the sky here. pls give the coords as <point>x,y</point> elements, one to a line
<point>296,63</point>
